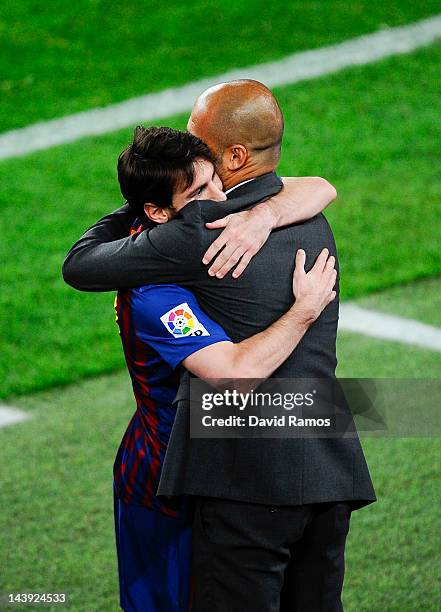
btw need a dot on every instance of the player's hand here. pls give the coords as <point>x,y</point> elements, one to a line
<point>314,290</point>
<point>244,235</point>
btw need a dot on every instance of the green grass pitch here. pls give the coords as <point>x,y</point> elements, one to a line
<point>373,131</point>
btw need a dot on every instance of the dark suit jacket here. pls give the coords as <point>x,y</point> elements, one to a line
<point>269,471</point>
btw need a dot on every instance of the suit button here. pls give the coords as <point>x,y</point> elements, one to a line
<point>272,510</point>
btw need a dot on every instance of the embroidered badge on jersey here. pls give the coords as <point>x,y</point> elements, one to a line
<point>181,321</point>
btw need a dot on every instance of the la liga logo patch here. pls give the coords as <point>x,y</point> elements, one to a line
<point>181,321</point>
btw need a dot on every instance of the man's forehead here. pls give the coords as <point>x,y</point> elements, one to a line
<point>200,117</point>
<point>203,132</point>
<point>194,125</point>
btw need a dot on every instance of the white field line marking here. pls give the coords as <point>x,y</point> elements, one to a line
<point>297,67</point>
<point>10,415</point>
<point>389,327</point>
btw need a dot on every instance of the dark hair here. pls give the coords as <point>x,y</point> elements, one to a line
<point>157,162</point>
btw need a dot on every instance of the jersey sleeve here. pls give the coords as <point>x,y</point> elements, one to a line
<point>169,319</point>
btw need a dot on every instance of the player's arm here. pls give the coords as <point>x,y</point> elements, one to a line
<point>260,355</point>
<point>246,232</point>
<point>300,199</point>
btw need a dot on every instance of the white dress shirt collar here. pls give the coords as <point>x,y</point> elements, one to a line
<point>238,185</point>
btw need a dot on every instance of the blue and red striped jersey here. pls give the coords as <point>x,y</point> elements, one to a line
<point>160,325</point>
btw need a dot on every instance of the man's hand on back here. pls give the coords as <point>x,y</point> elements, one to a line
<point>246,232</point>
<point>244,235</point>
<point>314,290</point>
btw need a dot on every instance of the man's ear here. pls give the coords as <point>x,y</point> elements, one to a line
<point>156,213</point>
<point>235,157</point>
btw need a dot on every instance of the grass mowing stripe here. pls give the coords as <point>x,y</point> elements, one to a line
<point>75,56</point>
<point>371,130</point>
<point>151,107</point>
<point>363,357</point>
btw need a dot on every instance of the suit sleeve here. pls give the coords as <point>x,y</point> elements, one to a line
<point>106,258</point>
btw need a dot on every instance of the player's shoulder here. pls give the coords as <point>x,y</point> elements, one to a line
<point>153,291</point>
<point>168,311</point>
<point>156,297</point>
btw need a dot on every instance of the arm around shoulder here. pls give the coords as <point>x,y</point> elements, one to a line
<point>301,198</point>
<point>102,260</point>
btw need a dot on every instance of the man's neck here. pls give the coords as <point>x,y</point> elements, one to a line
<point>246,173</point>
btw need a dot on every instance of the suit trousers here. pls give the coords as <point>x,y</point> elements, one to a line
<point>257,558</point>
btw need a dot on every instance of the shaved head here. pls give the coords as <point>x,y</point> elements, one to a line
<point>243,113</point>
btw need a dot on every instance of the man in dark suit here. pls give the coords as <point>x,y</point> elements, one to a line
<point>271,514</point>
